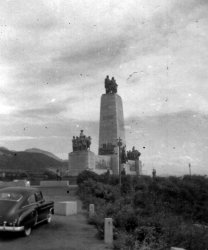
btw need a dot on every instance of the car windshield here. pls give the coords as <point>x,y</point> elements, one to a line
<point>10,196</point>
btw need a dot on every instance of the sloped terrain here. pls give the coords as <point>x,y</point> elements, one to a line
<point>28,161</point>
<point>37,150</point>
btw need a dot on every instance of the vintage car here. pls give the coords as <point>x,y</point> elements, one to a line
<point>21,208</point>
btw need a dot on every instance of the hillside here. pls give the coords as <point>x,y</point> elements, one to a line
<point>28,161</point>
<point>37,150</point>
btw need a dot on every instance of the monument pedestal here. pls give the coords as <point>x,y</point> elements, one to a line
<point>80,161</point>
<point>111,128</point>
<point>138,167</point>
<point>115,162</point>
<point>111,123</point>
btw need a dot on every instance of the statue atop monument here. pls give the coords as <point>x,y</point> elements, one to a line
<point>134,154</point>
<point>110,85</point>
<point>81,142</point>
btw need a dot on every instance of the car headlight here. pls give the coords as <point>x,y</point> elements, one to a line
<point>13,223</point>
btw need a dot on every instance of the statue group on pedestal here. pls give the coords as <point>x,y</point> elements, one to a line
<point>123,156</point>
<point>81,142</point>
<point>129,155</point>
<point>110,85</point>
<point>133,154</point>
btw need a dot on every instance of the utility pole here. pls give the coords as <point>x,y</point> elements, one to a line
<point>119,143</point>
<point>190,169</point>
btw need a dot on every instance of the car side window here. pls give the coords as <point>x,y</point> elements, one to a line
<point>31,199</point>
<point>39,196</point>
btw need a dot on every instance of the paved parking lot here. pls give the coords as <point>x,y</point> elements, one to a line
<point>64,232</point>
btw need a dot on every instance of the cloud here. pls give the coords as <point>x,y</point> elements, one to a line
<point>62,51</point>
<point>46,111</point>
<point>16,138</point>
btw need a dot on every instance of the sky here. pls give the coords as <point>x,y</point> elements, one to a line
<point>55,54</point>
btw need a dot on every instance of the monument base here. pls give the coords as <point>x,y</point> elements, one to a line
<point>87,160</point>
<point>80,161</point>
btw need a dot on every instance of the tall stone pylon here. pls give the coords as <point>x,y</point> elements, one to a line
<point>111,119</point>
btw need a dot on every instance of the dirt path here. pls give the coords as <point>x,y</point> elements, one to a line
<point>64,232</point>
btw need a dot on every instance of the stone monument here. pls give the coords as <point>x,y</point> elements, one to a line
<point>81,158</point>
<point>111,119</point>
<point>112,155</point>
<point>111,122</point>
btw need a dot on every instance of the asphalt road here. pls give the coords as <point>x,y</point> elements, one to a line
<point>64,232</point>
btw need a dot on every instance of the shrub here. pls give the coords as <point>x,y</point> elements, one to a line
<point>98,222</point>
<point>114,180</point>
<point>148,214</point>
<point>139,199</point>
<point>86,175</point>
<point>124,241</point>
<point>126,185</point>
<point>126,219</point>
<point>105,177</point>
<point>190,237</point>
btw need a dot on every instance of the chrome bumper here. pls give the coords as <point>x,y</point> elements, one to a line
<point>11,228</point>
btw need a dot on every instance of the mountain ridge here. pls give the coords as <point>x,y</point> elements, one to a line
<point>37,150</point>
<point>29,161</point>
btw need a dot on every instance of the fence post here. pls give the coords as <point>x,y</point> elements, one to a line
<point>108,233</point>
<point>91,210</point>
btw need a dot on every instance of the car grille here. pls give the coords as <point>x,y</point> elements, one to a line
<point>1,221</point>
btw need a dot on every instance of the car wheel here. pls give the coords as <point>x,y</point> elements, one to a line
<point>27,231</point>
<point>49,218</point>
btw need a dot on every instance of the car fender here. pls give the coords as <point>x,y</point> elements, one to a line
<point>27,217</point>
<point>52,210</point>
<point>50,204</point>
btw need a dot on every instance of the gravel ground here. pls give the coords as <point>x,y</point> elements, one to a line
<point>64,232</point>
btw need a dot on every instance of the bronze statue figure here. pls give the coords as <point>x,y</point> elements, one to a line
<point>133,155</point>
<point>74,143</point>
<point>124,158</point>
<point>110,85</point>
<point>81,143</point>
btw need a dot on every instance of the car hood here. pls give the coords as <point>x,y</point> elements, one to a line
<point>7,208</point>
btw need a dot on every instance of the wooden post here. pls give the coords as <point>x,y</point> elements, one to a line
<point>108,233</point>
<point>91,210</point>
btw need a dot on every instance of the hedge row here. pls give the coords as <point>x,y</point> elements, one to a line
<point>149,213</point>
